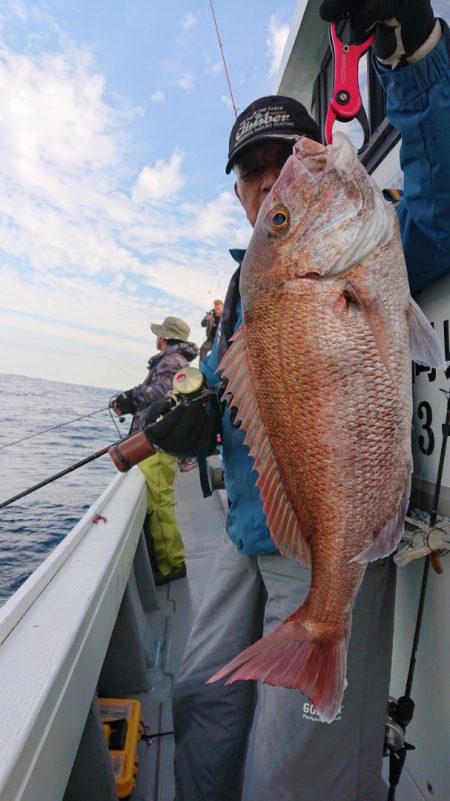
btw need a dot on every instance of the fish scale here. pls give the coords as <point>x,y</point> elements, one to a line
<point>319,373</point>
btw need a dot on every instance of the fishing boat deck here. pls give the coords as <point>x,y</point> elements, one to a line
<point>89,622</point>
<point>202,524</point>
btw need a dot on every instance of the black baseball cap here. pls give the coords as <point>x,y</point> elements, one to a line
<point>272,117</point>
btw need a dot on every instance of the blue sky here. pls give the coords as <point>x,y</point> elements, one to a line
<point>115,209</point>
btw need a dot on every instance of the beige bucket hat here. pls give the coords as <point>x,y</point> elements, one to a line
<point>171,328</point>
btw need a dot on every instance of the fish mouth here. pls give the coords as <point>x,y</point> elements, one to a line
<point>312,157</point>
<point>309,147</point>
<point>318,158</point>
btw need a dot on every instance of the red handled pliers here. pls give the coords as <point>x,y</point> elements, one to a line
<point>346,103</point>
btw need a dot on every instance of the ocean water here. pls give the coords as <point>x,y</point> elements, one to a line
<point>31,527</point>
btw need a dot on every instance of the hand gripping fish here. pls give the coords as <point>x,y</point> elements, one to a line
<point>320,374</point>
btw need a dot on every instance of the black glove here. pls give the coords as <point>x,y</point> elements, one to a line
<point>125,402</point>
<point>158,408</point>
<point>186,430</point>
<point>410,24</point>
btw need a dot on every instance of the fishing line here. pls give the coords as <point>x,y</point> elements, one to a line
<point>223,57</point>
<point>113,420</point>
<point>53,428</point>
<point>116,364</point>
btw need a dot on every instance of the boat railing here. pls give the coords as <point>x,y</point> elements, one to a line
<point>65,636</point>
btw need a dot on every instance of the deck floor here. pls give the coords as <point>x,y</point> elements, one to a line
<point>201,522</point>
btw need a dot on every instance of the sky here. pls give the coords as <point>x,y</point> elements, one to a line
<point>115,209</point>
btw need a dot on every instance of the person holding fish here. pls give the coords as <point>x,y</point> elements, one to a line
<point>315,348</point>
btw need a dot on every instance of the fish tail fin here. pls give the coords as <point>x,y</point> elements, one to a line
<point>290,657</point>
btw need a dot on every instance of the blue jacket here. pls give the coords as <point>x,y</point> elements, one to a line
<point>419,106</point>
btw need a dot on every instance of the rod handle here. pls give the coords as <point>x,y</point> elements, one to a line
<point>131,451</point>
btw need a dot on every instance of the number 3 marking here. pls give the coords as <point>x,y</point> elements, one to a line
<point>424,410</point>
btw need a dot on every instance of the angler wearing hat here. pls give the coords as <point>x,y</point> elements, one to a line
<point>175,352</point>
<point>250,741</point>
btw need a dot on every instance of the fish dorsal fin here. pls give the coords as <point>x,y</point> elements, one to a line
<point>280,516</point>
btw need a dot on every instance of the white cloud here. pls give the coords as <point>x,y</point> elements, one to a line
<point>187,82</point>
<point>54,106</point>
<point>69,302</point>
<point>276,40</point>
<point>158,96</point>
<point>227,100</point>
<point>86,240</point>
<point>117,281</point>
<point>62,205</point>
<point>213,68</point>
<point>19,9</point>
<point>188,20</point>
<point>79,316</point>
<point>160,182</point>
<point>68,362</point>
<point>218,217</point>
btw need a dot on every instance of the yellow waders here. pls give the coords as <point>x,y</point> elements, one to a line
<point>159,471</point>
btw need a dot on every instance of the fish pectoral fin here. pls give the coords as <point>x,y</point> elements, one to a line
<point>281,519</point>
<point>387,540</point>
<point>424,342</point>
<point>378,321</point>
<point>376,316</point>
<point>290,657</point>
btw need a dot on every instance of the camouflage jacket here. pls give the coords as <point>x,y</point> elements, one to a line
<point>161,370</point>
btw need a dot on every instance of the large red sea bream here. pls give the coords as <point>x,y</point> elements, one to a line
<point>320,374</point>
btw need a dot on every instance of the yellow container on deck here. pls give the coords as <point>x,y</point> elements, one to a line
<point>121,719</point>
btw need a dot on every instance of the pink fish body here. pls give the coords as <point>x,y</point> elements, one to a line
<point>320,375</point>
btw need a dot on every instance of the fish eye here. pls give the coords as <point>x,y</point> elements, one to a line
<point>278,219</point>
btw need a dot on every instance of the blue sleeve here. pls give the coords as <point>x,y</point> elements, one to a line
<point>418,104</point>
<point>209,366</point>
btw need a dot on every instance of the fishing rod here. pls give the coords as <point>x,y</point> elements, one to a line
<point>52,428</point>
<point>223,57</point>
